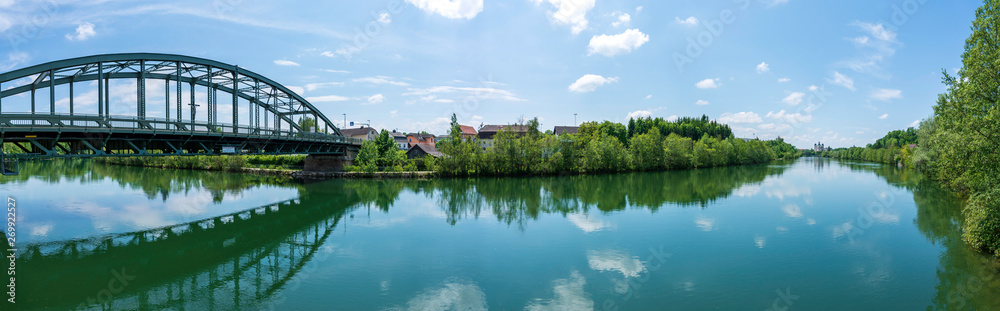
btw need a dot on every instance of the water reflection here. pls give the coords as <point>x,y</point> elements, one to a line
<point>247,259</point>
<point>967,280</point>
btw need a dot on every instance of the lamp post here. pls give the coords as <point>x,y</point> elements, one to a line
<point>345,120</point>
<point>574,119</point>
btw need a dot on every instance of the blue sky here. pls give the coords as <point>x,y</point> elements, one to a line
<point>841,72</point>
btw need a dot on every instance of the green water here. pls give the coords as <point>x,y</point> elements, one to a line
<point>807,235</point>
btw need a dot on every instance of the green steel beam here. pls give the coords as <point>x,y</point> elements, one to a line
<point>128,60</point>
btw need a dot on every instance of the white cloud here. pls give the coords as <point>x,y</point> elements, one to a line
<point>479,93</point>
<point>570,12</point>
<point>690,21</point>
<point>569,295</point>
<point>297,89</point>
<point>813,88</point>
<point>915,124</point>
<point>13,60</point>
<point>876,45</point>
<point>376,99</point>
<point>701,102</point>
<point>784,80</point>
<point>792,210</point>
<point>639,114</point>
<point>790,117</point>
<point>638,9</point>
<point>842,80</point>
<point>794,99</point>
<point>886,94</point>
<point>763,67</point>
<point>650,96</point>
<point>673,118</point>
<point>588,224</point>
<point>83,32</point>
<point>760,241</point>
<point>282,62</point>
<point>589,83</point>
<point>384,18</point>
<point>335,71</point>
<point>876,30</point>
<point>452,296</point>
<point>742,117</point>
<point>611,45</point>
<point>611,260</point>
<point>454,9</point>
<point>327,99</point>
<point>380,80</point>
<point>623,19</point>
<point>883,117</point>
<point>704,223</point>
<point>708,84</point>
<point>315,86</point>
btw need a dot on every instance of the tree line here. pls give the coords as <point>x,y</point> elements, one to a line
<point>605,147</point>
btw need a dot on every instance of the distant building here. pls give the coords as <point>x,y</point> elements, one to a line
<point>423,150</point>
<point>400,140</point>
<point>818,147</point>
<point>468,132</point>
<point>420,139</point>
<point>363,133</point>
<point>560,130</point>
<point>487,133</point>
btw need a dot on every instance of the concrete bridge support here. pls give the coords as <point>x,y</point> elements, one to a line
<point>329,163</point>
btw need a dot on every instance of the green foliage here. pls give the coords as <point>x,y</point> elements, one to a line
<point>367,158</point>
<point>599,148</point>
<point>783,150</point>
<point>982,222</point>
<point>200,162</point>
<point>896,139</point>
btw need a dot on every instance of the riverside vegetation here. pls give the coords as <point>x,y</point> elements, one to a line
<point>960,143</point>
<point>643,145</point>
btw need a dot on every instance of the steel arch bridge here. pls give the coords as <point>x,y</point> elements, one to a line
<point>263,116</point>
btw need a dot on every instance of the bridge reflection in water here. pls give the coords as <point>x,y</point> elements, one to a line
<point>230,262</point>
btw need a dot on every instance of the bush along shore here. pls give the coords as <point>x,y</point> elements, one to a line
<point>958,146</point>
<point>229,163</point>
<point>643,145</point>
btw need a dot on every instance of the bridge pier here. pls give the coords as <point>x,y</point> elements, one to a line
<point>329,163</point>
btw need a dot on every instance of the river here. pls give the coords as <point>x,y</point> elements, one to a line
<point>807,234</point>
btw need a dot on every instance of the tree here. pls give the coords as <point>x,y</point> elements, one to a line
<point>367,157</point>
<point>969,112</point>
<point>307,124</point>
<point>386,147</point>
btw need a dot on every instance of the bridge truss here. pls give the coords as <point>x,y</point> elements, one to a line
<point>257,115</point>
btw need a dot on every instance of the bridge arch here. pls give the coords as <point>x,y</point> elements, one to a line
<point>214,75</point>
<point>273,113</point>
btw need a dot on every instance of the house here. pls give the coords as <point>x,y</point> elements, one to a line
<point>420,139</point>
<point>423,150</point>
<point>818,147</point>
<point>560,130</point>
<point>468,132</point>
<point>400,140</point>
<point>363,133</point>
<point>487,132</point>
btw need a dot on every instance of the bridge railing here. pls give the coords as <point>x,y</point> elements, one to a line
<point>88,122</point>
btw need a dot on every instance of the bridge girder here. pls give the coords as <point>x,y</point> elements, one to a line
<point>258,90</point>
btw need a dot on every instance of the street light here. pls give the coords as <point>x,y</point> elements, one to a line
<point>574,119</point>
<point>345,120</point>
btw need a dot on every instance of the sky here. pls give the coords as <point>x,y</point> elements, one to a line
<point>843,73</point>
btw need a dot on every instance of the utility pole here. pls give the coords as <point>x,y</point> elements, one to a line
<point>345,121</point>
